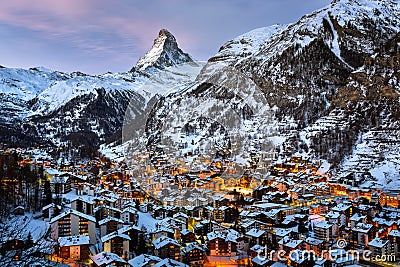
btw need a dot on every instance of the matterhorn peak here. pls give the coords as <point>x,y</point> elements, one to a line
<point>164,53</point>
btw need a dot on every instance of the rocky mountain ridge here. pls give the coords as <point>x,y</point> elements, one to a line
<point>329,85</point>
<point>41,106</point>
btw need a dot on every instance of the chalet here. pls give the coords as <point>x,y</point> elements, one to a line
<point>297,191</point>
<point>219,201</point>
<point>288,244</point>
<point>103,211</point>
<point>223,243</point>
<point>261,190</point>
<point>74,247</point>
<point>49,210</point>
<point>193,255</point>
<point>73,223</point>
<point>340,258</point>
<point>118,243</point>
<point>383,226</point>
<point>130,215</point>
<point>324,231</point>
<point>84,204</point>
<point>203,227</point>
<point>278,234</point>
<point>257,237</point>
<point>181,216</point>
<point>137,239</point>
<point>336,219</point>
<point>379,246</point>
<point>394,237</point>
<point>362,234</point>
<point>109,225</point>
<point>60,184</point>
<point>187,236</point>
<point>77,179</point>
<point>316,245</point>
<point>161,231</point>
<point>165,247</point>
<point>357,218</point>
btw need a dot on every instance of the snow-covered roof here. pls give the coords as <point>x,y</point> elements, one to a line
<point>341,207</point>
<point>260,260</point>
<point>362,227</point>
<point>110,219</point>
<point>279,264</point>
<point>180,214</point>
<point>59,180</point>
<point>54,172</point>
<point>314,241</point>
<point>356,217</point>
<point>378,242</point>
<point>191,247</point>
<point>143,260</point>
<point>170,263</point>
<point>130,210</point>
<point>255,232</point>
<point>323,224</point>
<point>114,235</point>
<point>51,205</point>
<point>229,235</point>
<point>163,241</point>
<point>332,215</point>
<point>186,231</point>
<point>75,212</point>
<point>395,233</point>
<point>106,258</point>
<point>288,242</point>
<point>85,198</point>
<point>281,232</point>
<point>75,240</point>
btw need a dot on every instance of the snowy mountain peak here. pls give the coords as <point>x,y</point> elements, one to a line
<point>164,53</point>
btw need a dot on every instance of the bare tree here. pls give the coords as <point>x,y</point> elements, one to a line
<point>24,242</point>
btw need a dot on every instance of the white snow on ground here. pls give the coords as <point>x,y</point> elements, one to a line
<point>147,221</point>
<point>378,152</point>
<point>26,84</point>
<point>335,42</point>
<point>251,41</point>
<point>21,226</point>
<point>324,168</point>
<point>113,152</point>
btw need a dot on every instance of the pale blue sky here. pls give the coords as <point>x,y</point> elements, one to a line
<point>96,36</point>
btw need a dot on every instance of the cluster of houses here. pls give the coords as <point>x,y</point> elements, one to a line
<point>109,219</point>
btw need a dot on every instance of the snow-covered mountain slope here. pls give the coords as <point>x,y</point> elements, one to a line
<point>26,84</point>
<point>17,86</point>
<point>324,81</point>
<point>164,53</point>
<point>40,105</point>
